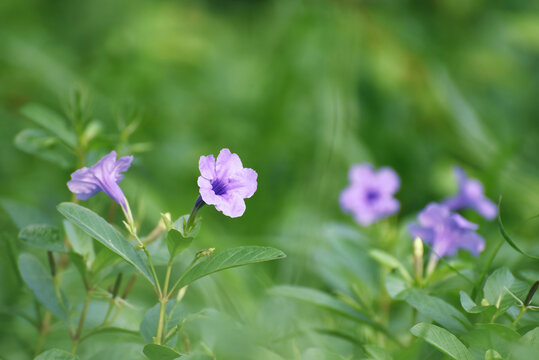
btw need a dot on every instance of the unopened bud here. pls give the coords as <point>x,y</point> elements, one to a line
<point>204,253</point>
<point>418,259</point>
<point>166,219</point>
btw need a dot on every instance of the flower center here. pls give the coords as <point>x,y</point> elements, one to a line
<point>218,187</point>
<point>372,195</point>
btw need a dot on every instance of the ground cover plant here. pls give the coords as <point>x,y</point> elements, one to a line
<point>159,159</point>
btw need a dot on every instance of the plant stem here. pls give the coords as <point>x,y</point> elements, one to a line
<point>519,316</point>
<point>162,308</point>
<point>157,286</point>
<point>163,305</point>
<point>44,330</point>
<point>183,275</point>
<point>76,337</point>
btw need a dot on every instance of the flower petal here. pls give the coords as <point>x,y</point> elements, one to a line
<point>361,174</point>
<point>388,180</point>
<point>122,165</point>
<point>243,183</point>
<point>83,184</point>
<point>231,205</point>
<point>206,191</point>
<point>206,165</point>
<point>472,242</point>
<point>227,164</point>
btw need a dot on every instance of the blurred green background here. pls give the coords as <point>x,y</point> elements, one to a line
<point>300,90</point>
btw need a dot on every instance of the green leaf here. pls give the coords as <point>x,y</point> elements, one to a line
<point>160,352</point>
<point>230,258</point>
<point>51,121</point>
<point>39,280</point>
<point>177,240</point>
<point>496,284</point>
<point>38,143</point>
<point>396,286</point>
<point>509,240</point>
<point>78,261</point>
<point>470,306</point>
<point>43,236</point>
<point>438,310</point>
<point>22,214</point>
<point>497,337</point>
<point>391,262</point>
<point>325,301</point>
<point>98,228</point>
<point>56,354</point>
<point>81,242</point>
<point>377,353</point>
<point>443,340</point>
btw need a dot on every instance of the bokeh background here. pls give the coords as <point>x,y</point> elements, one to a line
<point>300,90</point>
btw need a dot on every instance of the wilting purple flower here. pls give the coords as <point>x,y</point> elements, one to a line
<point>225,182</point>
<point>446,232</point>
<point>103,176</point>
<point>471,195</point>
<point>369,197</point>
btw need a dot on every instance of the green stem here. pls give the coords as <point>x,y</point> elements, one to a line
<point>44,330</point>
<point>163,305</point>
<point>82,316</point>
<point>183,275</point>
<point>519,316</point>
<point>157,286</point>
<point>162,308</point>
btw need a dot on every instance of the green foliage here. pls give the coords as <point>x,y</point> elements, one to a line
<point>41,144</point>
<point>230,258</point>
<point>301,90</point>
<point>443,340</point>
<point>42,285</point>
<point>99,229</point>
<point>43,236</point>
<point>438,310</point>
<point>160,352</point>
<point>56,354</point>
<point>50,121</point>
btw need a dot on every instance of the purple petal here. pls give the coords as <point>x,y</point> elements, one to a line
<point>462,223</point>
<point>472,242</point>
<point>243,183</point>
<point>486,208</point>
<point>388,180</point>
<point>433,214</point>
<point>206,165</point>
<point>102,176</point>
<point>231,205</point>
<point>122,165</point>
<point>206,191</point>
<point>361,173</point>
<point>227,164</point>
<point>83,184</point>
<point>426,234</point>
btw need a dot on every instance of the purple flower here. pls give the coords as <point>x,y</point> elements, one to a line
<point>225,182</point>
<point>103,176</point>
<point>471,195</point>
<point>369,197</point>
<point>446,232</point>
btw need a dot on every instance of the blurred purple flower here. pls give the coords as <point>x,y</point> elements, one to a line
<point>225,183</point>
<point>471,195</point>
<point>103,176</point>
<point>369,197</point>
<point>446,232</point>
